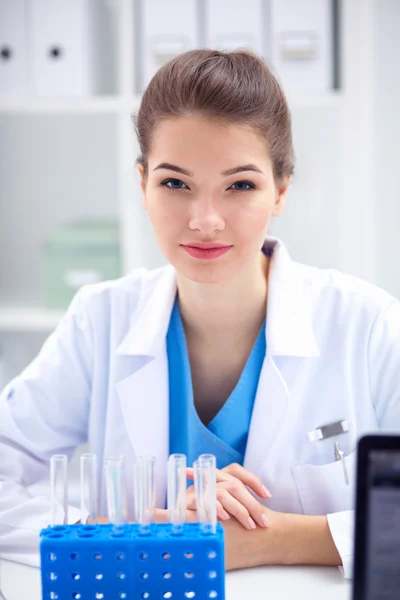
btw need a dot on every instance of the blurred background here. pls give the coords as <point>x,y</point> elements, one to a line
<point>71,75</point>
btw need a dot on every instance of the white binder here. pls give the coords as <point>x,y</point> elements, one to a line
<point>233,24</point>
<point>62,40</point>
<point>169,28</point>
<point>302,44</point>
<point>13,50</point>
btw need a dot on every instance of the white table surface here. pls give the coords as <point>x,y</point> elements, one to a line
<point>19,582</point>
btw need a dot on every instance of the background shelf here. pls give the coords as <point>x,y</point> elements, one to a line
<point>61,105</point>
<point>28,319</point>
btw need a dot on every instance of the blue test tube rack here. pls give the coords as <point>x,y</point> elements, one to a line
<point>100,562</point>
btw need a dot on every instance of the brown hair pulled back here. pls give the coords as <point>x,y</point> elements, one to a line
<point>232,87</point>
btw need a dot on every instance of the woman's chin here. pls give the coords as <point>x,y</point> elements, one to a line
<point>211,274</point>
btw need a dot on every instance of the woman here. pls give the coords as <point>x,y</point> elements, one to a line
<point>232,348</point>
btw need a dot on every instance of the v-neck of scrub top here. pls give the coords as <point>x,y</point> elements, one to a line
<point>226,434</point>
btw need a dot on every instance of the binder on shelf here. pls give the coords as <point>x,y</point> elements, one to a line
<point>76,254</point>
<point>302,48</point>
<point>164,30</point>
<point>233,24</point>
<point>62,34</point>
<point>13,48</point>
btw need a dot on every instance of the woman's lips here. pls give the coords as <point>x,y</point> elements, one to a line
<point>206,251</point>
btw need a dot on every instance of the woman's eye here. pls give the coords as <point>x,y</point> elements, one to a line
<point>243,186</point>
<point>173,184</point>
<point>176,184</point>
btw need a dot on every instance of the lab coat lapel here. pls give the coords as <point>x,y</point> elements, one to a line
<point>289,336</point>
<point>270,408</point>
<point>144,394</point>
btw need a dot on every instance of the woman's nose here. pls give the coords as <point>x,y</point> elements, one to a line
<point>205,216</point>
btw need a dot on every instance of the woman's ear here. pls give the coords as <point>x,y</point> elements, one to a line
<point>142,182</point>
<point>281,193</point>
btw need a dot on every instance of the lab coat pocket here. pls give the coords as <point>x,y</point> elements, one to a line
<point>323,488</point>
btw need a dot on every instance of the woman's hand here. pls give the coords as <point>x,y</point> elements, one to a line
<point>245,549</point>
<point>161,516</point>
<point>234,497</point>
<point>101,520</point>
<point>90,521</point>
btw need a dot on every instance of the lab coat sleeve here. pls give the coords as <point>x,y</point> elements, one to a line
<point>384,382</point>
<point>43,411</point>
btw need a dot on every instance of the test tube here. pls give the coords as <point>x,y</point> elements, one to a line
<point>59,489</point>
<point>198,487</point>
<point>177,491</point>
<point>206,492</point>
<point>88,488</point>
<point>144,492</point>
<point>115,490</point>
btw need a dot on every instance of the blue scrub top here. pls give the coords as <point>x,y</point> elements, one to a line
<point>226,435</point>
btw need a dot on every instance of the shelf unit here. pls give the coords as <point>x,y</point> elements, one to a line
<point>89,105</point>
<point>329,131</point>
<point>69,121</point>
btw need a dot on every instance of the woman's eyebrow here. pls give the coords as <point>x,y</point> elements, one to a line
<point>170,167</point>
<point>240,169</point>
<point>224,173</point>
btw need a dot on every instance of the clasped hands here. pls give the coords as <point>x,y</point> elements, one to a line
<point>234,498</point>
<point>238,510</point>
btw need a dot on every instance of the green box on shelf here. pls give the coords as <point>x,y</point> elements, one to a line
<point>77,254</point>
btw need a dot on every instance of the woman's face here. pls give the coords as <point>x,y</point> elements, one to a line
<point>209,183</point>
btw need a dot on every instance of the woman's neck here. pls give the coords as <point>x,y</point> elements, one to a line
<point>233,309</point>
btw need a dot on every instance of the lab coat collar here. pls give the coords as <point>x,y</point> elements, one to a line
<point>149,324</point>
<point>289,330</point>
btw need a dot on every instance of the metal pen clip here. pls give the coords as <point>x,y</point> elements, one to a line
<point>327,431</point>
<point>339,455</point>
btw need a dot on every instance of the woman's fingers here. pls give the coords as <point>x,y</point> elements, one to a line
<point>190,498</point>
<point>249,479</point>
<point>222,514</point>
<point>191,505</point>
<point>233,498</point>
<point>235,481</point>
<point>236,508</point>
<point>252,508</point>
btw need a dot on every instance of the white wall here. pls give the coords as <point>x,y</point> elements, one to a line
<point>386,125</point>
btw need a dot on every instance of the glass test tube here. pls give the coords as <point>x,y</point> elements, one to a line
<point>89,497</point>
<point>206,492</point>
<point>198,493</point>
<point>59,489</point>
<point>144,491</point>
<point>115,490</point>
<point>177,491</point>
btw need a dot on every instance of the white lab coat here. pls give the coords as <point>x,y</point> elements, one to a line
<point>333,353</point>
